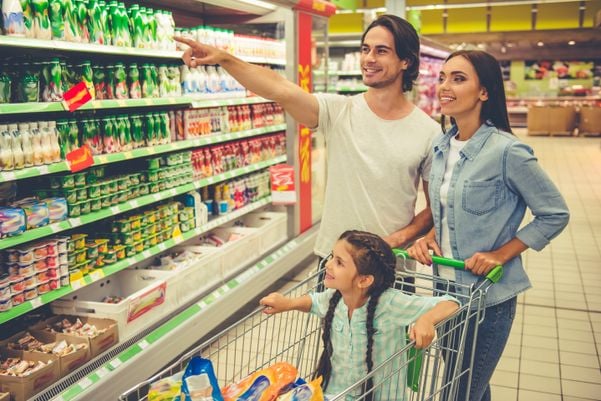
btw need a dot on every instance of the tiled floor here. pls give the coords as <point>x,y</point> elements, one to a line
<point>554,348</point>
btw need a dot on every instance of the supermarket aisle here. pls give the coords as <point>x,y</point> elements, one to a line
<point>553,352</point>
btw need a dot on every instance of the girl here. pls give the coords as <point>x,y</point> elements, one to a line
<point>369,325</point>
<point>481,181</point>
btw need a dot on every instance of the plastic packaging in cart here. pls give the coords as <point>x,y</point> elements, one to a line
<point>304,392</point>
<point>263,385</point>
<point>199,367</point>
<point>166,389</point>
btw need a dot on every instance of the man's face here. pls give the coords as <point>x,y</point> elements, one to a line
<point>380,65</point>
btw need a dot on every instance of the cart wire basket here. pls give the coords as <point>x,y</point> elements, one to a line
<point>437,372</point>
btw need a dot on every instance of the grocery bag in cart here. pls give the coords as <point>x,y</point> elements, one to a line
<point>260,340</point>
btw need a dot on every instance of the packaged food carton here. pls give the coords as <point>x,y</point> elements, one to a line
<point>22,388</point>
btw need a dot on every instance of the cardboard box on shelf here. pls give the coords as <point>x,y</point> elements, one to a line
<point>67,363</point>
<point>590,121</point>
<point>4,396</point>
<point>22,388</point>
<point>97,344</point>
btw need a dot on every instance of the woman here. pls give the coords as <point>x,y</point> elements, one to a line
<point>481,182</point>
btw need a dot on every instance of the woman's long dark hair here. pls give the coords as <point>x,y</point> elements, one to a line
<point>372,256</point>
<point>406,45</point>
<point>494,110</point>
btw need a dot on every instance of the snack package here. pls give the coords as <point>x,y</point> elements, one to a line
<point>304,392</point>
<point>166,389</point>
<point>199,382</point>
<point>263,385</point>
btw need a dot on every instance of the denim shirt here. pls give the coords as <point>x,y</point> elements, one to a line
<point>495,179</point>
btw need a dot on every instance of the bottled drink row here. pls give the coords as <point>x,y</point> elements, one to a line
<point>112,23</point>
<point>48,81</point>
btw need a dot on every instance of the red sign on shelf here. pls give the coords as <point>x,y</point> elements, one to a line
<point>76,97</point>
<point>282,184</point>
<point>80,159</point>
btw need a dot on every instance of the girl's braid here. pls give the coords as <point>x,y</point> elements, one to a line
<point>324,368</point>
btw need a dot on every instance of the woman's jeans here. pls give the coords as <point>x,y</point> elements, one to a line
<point>492,336</point>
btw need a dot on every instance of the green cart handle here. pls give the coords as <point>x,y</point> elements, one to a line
<point>494,275</point>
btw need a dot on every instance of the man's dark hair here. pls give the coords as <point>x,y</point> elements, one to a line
<point>406,45</point>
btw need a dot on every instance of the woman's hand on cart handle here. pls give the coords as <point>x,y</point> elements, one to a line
<point>481,263</point>
<point>421,249</point>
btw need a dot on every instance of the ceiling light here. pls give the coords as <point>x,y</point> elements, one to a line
<point>571,43</point>
<point>540,43</point>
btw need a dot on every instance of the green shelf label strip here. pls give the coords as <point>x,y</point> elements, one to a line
<point>142,152</point>
<point>74,222</point>
<point>123,264</point>
<point>192,312</point>
<point>201,101</point>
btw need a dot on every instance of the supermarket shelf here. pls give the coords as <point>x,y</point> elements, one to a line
<point>142,152</point>
<point>59,45</point>
<point>198,101</point>
<point>74,222</point>
<point>150,353</point>
<point>98,274</point>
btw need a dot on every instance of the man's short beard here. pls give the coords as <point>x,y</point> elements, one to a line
<point>382,84</point>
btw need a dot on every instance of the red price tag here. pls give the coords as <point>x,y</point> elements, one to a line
<point>80,159</point>
<point>76,97</point>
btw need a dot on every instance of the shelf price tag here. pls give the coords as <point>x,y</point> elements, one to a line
<point>103,371</point>
<point>85,383</point>
<point>97,274</point>
<point>115,363</point>
<point>36,303</point>
<point>143,344</point>
<point>77,284</point>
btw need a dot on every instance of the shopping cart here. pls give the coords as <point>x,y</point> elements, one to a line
<point>259,340</point>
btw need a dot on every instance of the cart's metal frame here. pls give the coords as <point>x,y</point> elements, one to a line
<point>259,340</point>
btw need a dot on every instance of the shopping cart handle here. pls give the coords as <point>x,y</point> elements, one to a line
<point>494,275</point>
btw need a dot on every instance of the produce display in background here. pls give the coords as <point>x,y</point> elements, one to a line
<point>562,69</point>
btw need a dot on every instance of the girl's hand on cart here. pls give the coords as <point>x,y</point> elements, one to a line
<point>420,250</point>
<point>275,303</point>
<point>483,262</point>
<point>422,332</point>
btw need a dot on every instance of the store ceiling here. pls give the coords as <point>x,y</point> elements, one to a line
<point>521,45</point>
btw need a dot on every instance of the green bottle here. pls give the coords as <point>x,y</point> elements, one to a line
<point>81,15</point>
<point>72,28</point>
<point>104,23</point>
<point>110,145</point>
<point>95,28</point>
<point>110,81</point>
<point>27,18</point>
<point>149,130</point>
<point>152,25</point>
<point>125,25</point>
<point>41,19</point>
<point>5,85</point>
<point>57,19</point>
<point>114,18</point>
<point>73,135</point>
<point>121,91</point>
<point>99,79</point>
<point>133,82</point>
<point>87,75</point>
<point>137,21</point>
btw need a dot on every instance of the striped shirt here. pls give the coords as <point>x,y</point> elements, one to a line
<point>395,311</point>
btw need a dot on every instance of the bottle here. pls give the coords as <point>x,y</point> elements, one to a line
<point>163,81</point>
<point>185,79</point>
<point>13,18</point>
<point>137,24</point>
<point>80,11</point>
<point>5,84</point>
<point>87,75</point>
<point>27,18</point>
<point>36,145</point>
<point>55,149</point>
<point>17,150</point>
<point>95,23</point>
<point>133,82</point>
<point>121,91</point>
<point>57,21</point>
<point>24,140</point>
<point>6,144</point>
<point>104,23</point>
<point>124,25</point>
<point>41,20</point>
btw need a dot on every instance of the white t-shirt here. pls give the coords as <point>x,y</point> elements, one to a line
<point>445,242</point>
<point>373,167</point>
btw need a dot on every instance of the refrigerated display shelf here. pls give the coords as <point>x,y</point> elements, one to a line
<point>59,45</point>
<point>209,308</point>
<point>74,222</point>
<point>137,153</point>
<point>98,274</point>
<point>319,73</point>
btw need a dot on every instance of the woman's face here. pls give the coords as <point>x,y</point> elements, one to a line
<point>459,91</point>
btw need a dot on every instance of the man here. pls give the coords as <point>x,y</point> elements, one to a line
<point>378,143</point>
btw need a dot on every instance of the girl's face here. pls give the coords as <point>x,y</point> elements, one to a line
<point>341,271</point>
<point>380,64</point>
<point>459,90</point>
